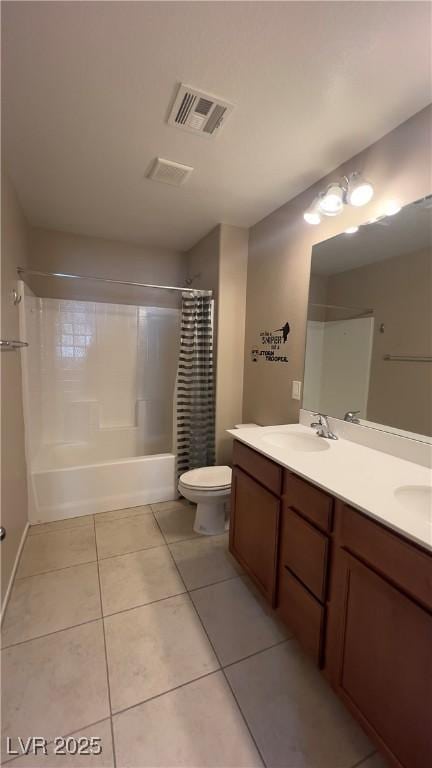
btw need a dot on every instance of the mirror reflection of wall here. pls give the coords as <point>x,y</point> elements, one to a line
<point>370,301</point>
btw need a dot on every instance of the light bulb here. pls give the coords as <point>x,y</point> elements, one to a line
<point>360,191</point>
<point>392,207</point>
<point>331,202</point>
<point>312,214</point>
<point>351,230</point>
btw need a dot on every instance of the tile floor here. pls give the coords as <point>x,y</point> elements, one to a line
<point>129,627</point>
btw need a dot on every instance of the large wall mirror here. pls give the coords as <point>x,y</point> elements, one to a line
<point>369,331</point>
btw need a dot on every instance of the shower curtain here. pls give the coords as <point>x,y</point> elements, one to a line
<point>195,410</point>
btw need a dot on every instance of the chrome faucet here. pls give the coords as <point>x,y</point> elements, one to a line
<point>351,416</point>
<point>323,428</point>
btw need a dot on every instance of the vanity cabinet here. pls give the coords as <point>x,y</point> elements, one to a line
<point>254,531</point>
<point>380,635</point>
<point>357,596</point>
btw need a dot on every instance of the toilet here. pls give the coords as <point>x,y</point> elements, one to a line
<point>210,489</point>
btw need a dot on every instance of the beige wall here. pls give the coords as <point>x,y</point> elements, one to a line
<point>13,464</point>
<point>231,336</point>
<point>280,247</point>
<point>220,261</point>
<point>52,251</point>
<point>400,292</point>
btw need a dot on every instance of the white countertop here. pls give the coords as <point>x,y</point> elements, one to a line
<point>362,476</point>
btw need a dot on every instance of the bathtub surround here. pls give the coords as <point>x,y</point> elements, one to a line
<point>98,391</point>
<point>14,248</point>
<point>195,437</point>
<point>280,251</point>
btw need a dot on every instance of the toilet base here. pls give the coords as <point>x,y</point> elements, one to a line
<point>210,518</point>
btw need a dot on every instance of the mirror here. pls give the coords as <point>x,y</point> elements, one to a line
<point>369,330</point>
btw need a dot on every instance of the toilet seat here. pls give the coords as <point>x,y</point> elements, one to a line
<point>207,479</point>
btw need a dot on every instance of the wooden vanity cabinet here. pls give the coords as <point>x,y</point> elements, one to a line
<point>379,641</point>
<point>255,513</point>
<point>302,581</point>
<point>357,596</point>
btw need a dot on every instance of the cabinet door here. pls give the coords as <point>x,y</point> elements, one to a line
<point>384,665</point>
<point>254,530</point>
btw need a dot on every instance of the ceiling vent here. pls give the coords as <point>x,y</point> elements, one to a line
<point>199,112</point>
<point>169,172</point>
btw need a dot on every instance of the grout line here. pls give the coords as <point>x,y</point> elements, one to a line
<point>221,668</point>
<point>132,516</point>
<point>363,760</point>
<point>214,583</point>
<point>144,605</point>
<point>164,693</point>
<point>105,652</point>
<point>257,653</point>
<point>131,552</point>
<point>87,562</point>
<point>49,634</point>
<point>54,570</point>
<point>59,530</point>
<point>122,610</point>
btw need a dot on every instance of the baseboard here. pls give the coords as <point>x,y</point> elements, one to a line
<point>14,570</point>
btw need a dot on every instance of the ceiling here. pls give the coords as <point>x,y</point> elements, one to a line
<point>87,88</point>
<point>407,232</point>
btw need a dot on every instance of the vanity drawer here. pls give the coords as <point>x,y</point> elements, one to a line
<point>400,561</point>
<point>302,613</point>
<point>267,472</point>
<point>304,550</point>
<point>308,500</point>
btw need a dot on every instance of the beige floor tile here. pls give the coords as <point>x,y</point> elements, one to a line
<point>238,622</point>
<point>138,578</point>
<point>295,717</point>
<point>196,726</point>
<point>101,732</point>
<point>204,560</point>
<point>176,519</point>
<point>56,684</point>
<point>155,648</point>
<point>61,525</point>
<point>52,601</point>
<point>59,549</point>
<point>119,537</point>
<point>120,514</point>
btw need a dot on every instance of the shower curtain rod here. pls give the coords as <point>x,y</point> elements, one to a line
<point>23,271</point>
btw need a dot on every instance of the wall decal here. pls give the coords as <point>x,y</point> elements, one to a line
<point>270,345</point>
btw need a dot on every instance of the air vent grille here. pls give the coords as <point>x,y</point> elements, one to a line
<point>198,112</point>
<point>169,172</point>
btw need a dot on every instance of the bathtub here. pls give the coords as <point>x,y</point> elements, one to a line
<point>66,483</point>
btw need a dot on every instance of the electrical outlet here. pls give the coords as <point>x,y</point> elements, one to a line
<point>296,390</point>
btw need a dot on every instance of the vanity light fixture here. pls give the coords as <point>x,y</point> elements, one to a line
<point>360,191</point>
<point>351,230</point>
<point>331,202</point>
<point>350,190</point>
<point>312,214</point>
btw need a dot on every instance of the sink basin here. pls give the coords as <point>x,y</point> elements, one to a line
<point>296,442</point>
<point>417,499</point>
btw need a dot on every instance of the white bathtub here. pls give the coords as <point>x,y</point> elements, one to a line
<point>70,491</point>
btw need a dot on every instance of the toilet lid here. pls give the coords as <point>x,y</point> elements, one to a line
<point>207,477</point>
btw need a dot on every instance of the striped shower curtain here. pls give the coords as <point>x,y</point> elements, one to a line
<point>195,386</point>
